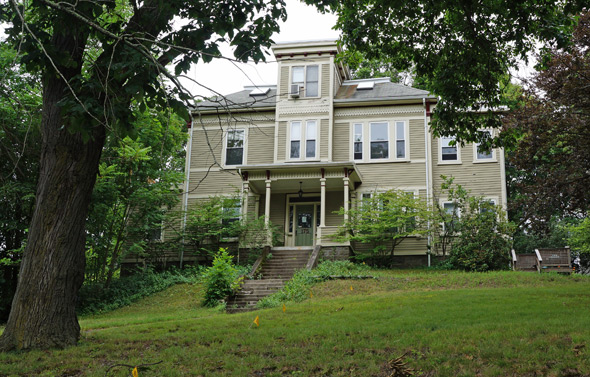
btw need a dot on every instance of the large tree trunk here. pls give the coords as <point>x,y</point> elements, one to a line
<point>43,313</point>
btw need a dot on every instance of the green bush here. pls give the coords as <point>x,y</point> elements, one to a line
<point>93,298</point>
<point>297,289</point>
<point>483,242</point>
<point>221,279</point>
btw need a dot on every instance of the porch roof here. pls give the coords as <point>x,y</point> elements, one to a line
<point>287,175</point>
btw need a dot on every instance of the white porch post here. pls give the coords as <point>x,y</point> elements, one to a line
<point>245,192</point>
<point>267,203</point>
<point>323,202</point>
<point>346,181</point>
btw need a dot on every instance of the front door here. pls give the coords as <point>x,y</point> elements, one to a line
<point>304,225</point>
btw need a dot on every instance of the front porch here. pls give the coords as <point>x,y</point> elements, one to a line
<point>301,199</point>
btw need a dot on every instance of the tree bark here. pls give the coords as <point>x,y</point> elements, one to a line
<point>43,313</point>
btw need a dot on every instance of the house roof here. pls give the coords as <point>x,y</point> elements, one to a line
<point>382,89</point>
<point>240,100</point>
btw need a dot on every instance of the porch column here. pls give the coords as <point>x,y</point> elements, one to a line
<point>323,202</point>
<point>346,181</point>
<point>267,203</point>
<point>245,192</point>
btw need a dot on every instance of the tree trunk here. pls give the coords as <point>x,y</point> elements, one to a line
<point>43,313</point>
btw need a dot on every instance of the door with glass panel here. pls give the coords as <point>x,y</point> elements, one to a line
<point>304,224</point>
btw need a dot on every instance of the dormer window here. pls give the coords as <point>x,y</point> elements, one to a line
<point>306,77</point>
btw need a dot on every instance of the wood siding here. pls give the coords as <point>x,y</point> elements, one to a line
<point>282,141</point>
<point>378,176</point>
<point>481,179</point>
<point>261,145</point>
<point>341,145</point>
<point>215,182</point>
<point>417,147</point>
<point>207,147</point>
<point>325,77</point>
<point>324,139</point>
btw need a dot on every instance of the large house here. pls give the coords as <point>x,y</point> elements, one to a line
<point>317,141</point>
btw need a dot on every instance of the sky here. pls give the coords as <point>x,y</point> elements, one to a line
<point>220,76</point>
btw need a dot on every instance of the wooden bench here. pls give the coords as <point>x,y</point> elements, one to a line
<point>555,259</point>
<point>524,262</point>
<point>549,259</point>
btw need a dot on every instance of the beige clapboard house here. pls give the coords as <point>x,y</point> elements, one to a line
<point>333,139</point>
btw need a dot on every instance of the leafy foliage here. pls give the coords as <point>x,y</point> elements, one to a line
<point>297,289</point>
<point>384,220</point>
<point>551,175</point>
<point>20,104</point>
<point>480,232</point>
<point>94,298</point>
<point>221,279</point>
<point>462,52</point>
<point>138,182</point>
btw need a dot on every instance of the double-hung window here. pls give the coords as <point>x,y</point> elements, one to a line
<point>483,154</point>
<point>448,149</point>
<point>308,77</point>
<point>400,140</point>
<point>452,215</point>
<point>234,148</point>
<point>303,140</point>
<point>295,140</point>
<point>358,141</point>
<point>231,211</point>
<point>379,140</point>
<point>310,139</point>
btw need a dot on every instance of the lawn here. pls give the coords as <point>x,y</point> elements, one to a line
<point>442,323</point>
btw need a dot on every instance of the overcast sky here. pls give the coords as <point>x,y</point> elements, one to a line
<point>304,22</point>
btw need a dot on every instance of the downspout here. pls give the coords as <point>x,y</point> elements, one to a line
<point>186,188</point>
<point>427,152</point>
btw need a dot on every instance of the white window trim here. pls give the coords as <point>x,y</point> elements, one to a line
<point>303,141</point>
<point>363,141</point>
<point>450,162</point>
<point>477,160</point>
<point>391,139</point>
<point>319,65</point>
<point>244,149</point>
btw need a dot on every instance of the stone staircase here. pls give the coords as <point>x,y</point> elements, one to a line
<point>277,268</point>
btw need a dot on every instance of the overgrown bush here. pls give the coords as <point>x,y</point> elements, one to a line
<point>221,279</point>
<point>483,241</point>
<point>93,298</point>
<point>297,289</point>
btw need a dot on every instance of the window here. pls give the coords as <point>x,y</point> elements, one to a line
<point>488,206</point>
<point>400,139</point>
<point>308,77</point>
<point>448,152</point>
<point>303,140</point>
<point>310,139</point>
<point>295,140</point>
<point>155,232</point>
<point>452,214</point>
<point>358,141</point>
<point>231,211</point>
<point>379,141</point>
<point>234,149</point>
<point>483,154</point>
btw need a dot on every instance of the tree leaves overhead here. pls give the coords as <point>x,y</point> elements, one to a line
<point>553,156</point>
<point>461,50</point>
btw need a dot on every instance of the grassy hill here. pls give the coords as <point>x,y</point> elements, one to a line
<point>442,323</point>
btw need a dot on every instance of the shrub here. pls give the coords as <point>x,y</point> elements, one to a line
<point>93,298</point>
<point>483,242</point>
<point>221,279</point>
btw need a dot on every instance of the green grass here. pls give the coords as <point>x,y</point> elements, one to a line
<point>446,323</point>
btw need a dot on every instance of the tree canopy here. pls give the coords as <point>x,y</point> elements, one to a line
<point>462,51</point>
<point>97,62</point>
<point>553,154</point>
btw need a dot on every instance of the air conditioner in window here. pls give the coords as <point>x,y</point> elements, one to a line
<point>295,90</point>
